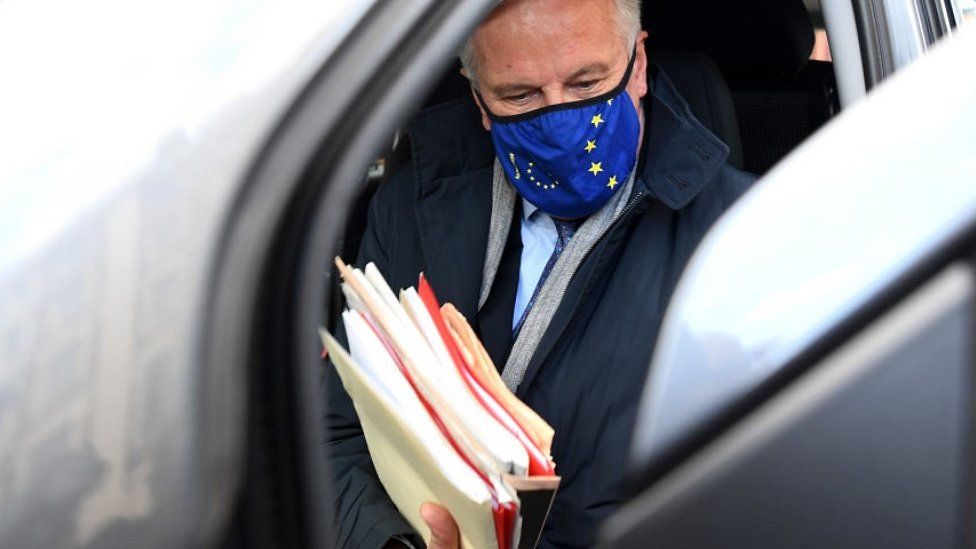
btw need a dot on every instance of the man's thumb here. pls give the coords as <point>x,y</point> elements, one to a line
<point>443,529</point>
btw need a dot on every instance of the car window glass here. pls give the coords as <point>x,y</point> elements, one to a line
<point>967,10</point>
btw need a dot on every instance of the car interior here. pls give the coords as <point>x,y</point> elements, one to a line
<point>744,68</point>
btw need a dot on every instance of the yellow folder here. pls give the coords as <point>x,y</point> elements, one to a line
<point>408,471</point>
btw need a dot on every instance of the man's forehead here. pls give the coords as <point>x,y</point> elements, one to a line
<point>528,39</point>
<point>524,20</point>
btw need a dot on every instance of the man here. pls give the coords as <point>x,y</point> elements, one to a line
<point>559,226</point>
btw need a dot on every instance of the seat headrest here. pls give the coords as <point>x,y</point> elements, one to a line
<point>742,37</point>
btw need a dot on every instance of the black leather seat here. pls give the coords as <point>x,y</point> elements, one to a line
<point>762,48</point>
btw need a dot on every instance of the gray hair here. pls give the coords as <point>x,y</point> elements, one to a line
<point>628,22</point>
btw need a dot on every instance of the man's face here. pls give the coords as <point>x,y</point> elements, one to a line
<point>536,53</point>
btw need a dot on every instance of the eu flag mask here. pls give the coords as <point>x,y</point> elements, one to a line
<point>569,159</point>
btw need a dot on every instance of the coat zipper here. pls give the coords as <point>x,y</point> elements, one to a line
<point>630,204</point>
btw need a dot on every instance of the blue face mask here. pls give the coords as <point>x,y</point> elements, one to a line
<point>569,159</point>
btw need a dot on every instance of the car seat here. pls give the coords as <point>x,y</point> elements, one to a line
<point>762,48</point>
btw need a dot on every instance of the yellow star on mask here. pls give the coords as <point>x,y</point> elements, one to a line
<point>590,145</point>
<point>595,167</point>
<point>596,120</point>
<point>613,182</point>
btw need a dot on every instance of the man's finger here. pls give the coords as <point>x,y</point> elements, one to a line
<point>443,530</point>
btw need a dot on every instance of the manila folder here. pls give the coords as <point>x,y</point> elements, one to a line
<point>407,470</point>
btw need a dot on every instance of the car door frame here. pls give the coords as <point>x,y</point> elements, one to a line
<point>269,282</point>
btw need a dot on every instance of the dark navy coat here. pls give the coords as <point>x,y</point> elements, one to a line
<point>587,374</point>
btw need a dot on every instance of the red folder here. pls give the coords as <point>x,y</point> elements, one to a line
<point>539,464</point>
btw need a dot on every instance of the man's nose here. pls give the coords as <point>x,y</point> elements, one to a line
<point>555,96</point>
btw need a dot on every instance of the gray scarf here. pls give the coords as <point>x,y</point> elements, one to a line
<point>551,293</point>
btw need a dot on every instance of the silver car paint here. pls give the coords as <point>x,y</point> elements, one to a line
<point>845,50</point>
<point>902,21</point>
<point>126,130</point>
<point>814,240</point>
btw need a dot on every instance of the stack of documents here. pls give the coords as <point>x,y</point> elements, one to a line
<point>440,424</point>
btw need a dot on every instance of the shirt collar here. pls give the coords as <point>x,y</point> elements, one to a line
<point>528,209</point>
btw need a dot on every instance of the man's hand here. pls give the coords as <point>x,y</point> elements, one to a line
<point>443,530</point>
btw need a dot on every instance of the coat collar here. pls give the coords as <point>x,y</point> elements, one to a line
<point>451,158</point>
<point>680,154</point>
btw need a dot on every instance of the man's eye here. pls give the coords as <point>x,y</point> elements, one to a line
<point>519,98</point>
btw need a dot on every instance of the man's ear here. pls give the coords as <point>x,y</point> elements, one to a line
<point>485,121</point>
<point>484,116</point>
<point>638,78</point>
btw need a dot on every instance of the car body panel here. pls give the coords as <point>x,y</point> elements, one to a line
<point>905,33</point>
<point>121,158</point>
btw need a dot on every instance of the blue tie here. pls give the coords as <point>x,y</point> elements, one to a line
<point>564,231</point>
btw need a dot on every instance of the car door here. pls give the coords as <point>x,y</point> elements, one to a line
<point>170,191</point>
<point>813,383</point>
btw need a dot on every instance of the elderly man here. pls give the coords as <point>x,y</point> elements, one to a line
<point>559,226</point>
